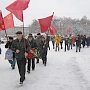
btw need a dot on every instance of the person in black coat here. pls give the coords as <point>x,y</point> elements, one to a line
<point>84,40</point>
<point>61,42</point>
<point>66,43</point>
<point>48,40</point>
<point>88,41</point>
<point>53,42</point>
<point>33,46</point>
<point>44,50</point>
<point>20,46</point>
<point>78,43</point>
<point>8,45</point>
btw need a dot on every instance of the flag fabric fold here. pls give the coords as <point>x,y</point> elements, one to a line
<point>19,5</point>
<point>45,23</point>
<point>8,21</point>
<point>53,30</point>
<point>22,4</point>
<point>17,8</point>
<point>2,27</point>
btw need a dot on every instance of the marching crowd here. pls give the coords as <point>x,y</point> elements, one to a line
<point>70,41</point>
<point>28,51</point>
<point>25,51</point>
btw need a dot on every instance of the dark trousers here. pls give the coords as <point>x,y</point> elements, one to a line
<point>66,46</point>
<point>31,62</point>
<point>22,68</point>
<point>44,57</point>
<point>57,47</point>
<point>83,44</point>
<point>70,45</point>
<point>61,45</point>
<point>78,48</point>
<point>37,60</point>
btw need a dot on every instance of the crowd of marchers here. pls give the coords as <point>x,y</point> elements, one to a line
<point>27,52</point>
<point>67,42</point>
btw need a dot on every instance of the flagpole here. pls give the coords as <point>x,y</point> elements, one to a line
<point>6,34</point>
<point>23,28</point>
<point>48,30</point>
<point>23,24</point>
<point>23,31</point>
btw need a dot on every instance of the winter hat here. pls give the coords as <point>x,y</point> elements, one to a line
<point>19,32</point>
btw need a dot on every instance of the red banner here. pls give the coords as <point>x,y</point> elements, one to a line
<point>8,21</point>
<point>45,23</point>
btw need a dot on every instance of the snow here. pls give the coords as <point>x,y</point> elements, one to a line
<point>64,71</point>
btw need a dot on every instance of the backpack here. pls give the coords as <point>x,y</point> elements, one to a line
<point>9,54</point>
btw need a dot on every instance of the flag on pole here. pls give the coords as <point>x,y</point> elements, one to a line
<point>53,30</point>
<point>17,12</point>
<point>8,21</point>
<point>2,27</point>
<point>17,8</point>
<point>45,23</point>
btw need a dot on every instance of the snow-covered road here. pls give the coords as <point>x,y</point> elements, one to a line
<point>64,71</point>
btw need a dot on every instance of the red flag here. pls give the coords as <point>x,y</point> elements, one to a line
<point>53,30</point>
<point>22,4</point>
<point>45,23</point>
<point>17,8</point>
<point>2,27</point>
<point>19,5</point>
<point>8,21</point>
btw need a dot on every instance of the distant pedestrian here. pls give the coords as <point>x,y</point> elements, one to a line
<point>78,43</point>
<point>66,43</point>
<point>57,42</point>
<point>10,58</point>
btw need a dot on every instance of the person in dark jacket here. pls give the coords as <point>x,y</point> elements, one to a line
<point>84,40</point>
<point>44,50</point>
<point>48,40</point>
<point>39,46</point>
<point>8,45</point>
<point>66,43</point>
<point>88,41</point>
<point>33,46</point>
<point>20,45</point>
<point>78,43</point>
<point>53,43</point>
<point>70,42</point>
<point>61,42</point>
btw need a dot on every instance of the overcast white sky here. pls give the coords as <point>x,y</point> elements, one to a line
<point>42,8</point>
